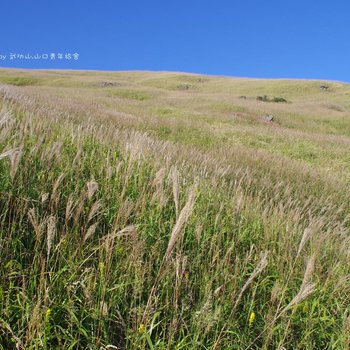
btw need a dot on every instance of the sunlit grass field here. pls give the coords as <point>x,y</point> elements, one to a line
<point>157,210</point>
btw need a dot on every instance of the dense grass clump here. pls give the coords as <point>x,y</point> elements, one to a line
<point>279,99</point>
<point>114,238</point>
<point>19,81</point>
<point>131,94</point>
<point>274,99</point>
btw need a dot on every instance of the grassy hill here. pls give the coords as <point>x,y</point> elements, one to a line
<point>143,210</point>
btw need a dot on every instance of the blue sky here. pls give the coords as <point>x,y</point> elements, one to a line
<point>249,38</point>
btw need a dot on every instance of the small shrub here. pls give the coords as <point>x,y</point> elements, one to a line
<point>267,99</point>
<point>263,98</point>
<point>184,86</point>
<point>279,99</point>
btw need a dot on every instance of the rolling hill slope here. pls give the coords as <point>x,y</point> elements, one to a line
<point>159,210</point>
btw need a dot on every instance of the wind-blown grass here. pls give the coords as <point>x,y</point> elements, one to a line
<point>111,237</point>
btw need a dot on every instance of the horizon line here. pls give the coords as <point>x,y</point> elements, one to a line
<point>173,72</point>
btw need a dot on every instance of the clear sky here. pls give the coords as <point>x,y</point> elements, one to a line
<point>250,38</point>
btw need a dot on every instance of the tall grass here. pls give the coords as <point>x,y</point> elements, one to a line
<point>113,239</point>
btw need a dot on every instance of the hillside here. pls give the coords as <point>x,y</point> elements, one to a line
<point>159,210</point>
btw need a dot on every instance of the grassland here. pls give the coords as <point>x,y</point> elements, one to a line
<point>143,210</point>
